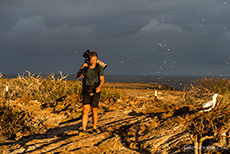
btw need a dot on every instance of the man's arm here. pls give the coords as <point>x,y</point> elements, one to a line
<point>79,73</point>
<point>102,80</point>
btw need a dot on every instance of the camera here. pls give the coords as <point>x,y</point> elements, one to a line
<point>87,59</point>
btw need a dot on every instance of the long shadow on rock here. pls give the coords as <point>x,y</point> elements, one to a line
<point>181,111</point>
<point>57,131</point>
<point>134,113</point>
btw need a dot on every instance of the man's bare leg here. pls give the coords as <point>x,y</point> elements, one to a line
<point>85,116</point>
<point>95,118</point>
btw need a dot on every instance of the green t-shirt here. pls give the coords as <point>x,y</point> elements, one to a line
<point>91,75</point>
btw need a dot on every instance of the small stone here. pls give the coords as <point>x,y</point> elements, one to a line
<point>133,145</point>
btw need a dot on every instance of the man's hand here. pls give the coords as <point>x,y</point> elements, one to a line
<point>102,79</point>
<point>98,89</point>
<point>84,65</point>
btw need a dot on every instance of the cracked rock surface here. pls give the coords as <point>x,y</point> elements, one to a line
<point>129,125</point>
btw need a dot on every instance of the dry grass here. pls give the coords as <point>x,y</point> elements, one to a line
<point>47,91</point>
<point>38,88</point>
<point>202,91</point>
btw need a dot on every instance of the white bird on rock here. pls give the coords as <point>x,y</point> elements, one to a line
<point>208,106</point>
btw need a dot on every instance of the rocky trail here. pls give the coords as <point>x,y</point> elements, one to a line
<point>133,125</point>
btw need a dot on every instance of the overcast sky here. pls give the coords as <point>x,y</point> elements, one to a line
<point>145,37</point>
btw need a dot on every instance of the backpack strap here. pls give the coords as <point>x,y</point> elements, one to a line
<point>84,73</point>
<point>97,69</point>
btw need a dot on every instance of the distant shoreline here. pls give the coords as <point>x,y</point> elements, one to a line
<point>179,82</point>
<point>73,76</point>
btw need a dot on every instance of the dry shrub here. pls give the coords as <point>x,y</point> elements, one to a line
<point>108,93</point>
<point>204,127</point>
<point>47,89</point>
<point>38,88</point>
<point>11,121</point>
<point>208,126</point>
<point>203,90</point>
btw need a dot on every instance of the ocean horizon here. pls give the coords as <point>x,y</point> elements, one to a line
<point>180,82</point>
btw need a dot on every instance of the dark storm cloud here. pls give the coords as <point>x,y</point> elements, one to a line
<point>134,37</point>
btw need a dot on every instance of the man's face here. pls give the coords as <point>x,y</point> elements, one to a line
<point>93,60</point>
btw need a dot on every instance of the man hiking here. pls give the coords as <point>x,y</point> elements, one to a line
<point>93,79</point>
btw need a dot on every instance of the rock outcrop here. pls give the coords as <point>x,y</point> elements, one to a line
<point>127,125</point>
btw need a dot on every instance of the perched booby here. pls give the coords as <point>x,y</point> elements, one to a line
<point>208,106</point>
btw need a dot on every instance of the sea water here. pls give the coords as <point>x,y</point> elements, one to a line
<point>179,82</point>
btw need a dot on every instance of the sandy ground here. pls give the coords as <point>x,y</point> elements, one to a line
<point>144,90</point>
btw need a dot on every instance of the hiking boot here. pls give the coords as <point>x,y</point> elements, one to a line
<point>83,133</point>
<point>95,131</point>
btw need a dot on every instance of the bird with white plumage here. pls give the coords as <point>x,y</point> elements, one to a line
<point>208,106</point>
